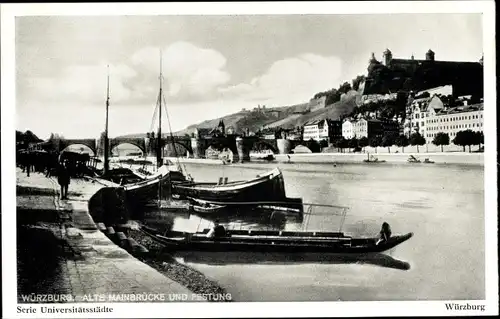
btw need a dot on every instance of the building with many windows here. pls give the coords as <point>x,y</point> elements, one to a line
<point>368,128</point>
<point>417,112</point>
<point>317,130</point>
<point>454,120</point>
<point>348,129</point>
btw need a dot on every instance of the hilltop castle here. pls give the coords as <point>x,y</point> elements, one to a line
<point>392,75</point>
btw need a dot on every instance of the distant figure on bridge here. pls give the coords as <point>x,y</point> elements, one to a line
<point>63,178</point>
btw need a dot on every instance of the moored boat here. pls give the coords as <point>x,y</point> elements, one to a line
<point>152,188</point>
<point>373,159</point>
<point>266,187</point>
<point>275,241</point>
<point>413,159</point>
<point>205,207</point>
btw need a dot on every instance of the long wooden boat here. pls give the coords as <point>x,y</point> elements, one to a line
<point>266,187</point>
<point>275,241</point>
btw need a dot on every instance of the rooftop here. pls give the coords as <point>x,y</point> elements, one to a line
<point>462,109</point>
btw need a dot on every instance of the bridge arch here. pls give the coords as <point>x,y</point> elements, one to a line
<point>90,143</point>
<point>82,149</point>
<point>220,144</point>
<point>115,146</point>
<point>139,142</point>
<point>168,147</point>
<point>264,144</point>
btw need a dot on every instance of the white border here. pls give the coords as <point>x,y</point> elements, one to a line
<point>287,309</point>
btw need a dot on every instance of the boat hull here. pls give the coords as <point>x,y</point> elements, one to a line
<point>293,244</point>
<point>270,187</point>
<point>150,190</point>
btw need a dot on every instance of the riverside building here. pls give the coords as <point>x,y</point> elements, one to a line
<point>316,130</point>
<point>326,129</point>
<point>454,120</point>
<point>417,113</point>
<point>368,128</point>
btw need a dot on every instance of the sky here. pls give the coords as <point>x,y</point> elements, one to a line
<point>212,65</point>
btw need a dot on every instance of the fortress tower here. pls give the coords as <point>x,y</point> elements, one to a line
<point>429,56</point>
<point>387,57</point>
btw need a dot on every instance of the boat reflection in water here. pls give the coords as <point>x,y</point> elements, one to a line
<point>236,258</point>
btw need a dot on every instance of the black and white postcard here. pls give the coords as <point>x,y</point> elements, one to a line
<point>253,159</point>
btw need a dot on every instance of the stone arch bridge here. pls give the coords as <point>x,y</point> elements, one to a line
<point>196,146</point>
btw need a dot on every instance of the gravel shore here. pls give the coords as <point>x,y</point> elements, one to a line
<point>167,265</point>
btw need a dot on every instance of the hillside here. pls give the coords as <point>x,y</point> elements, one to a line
<point>285,117</point>
<point>252,120</point>
<point>333,111</point>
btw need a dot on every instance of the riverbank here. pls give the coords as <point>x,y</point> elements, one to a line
<point>339,158</point>
<point>183,274</point>
<point>61,251</point>
<point>437,158</point>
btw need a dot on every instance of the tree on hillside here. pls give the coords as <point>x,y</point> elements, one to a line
<point>402,141</point>
<point>375,141</point>
<point>344,88</point>
<point>417,140</point>
<point>357,81</point>
<point>380,76</point>
<point>332,97</point>
<point>465,138</point>
<point>388,140</point>
<point>363,142</point>
<point>441,139</point>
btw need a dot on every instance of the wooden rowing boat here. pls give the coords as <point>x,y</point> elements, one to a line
<point>204,207</point>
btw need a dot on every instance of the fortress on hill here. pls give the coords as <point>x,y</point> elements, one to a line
<point>394,74</point>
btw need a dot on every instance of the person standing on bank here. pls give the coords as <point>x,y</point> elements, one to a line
<point>63,179</point>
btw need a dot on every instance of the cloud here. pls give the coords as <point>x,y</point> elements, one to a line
<point>80,84</point>
<point>189,71</point>
<point>290,80</point>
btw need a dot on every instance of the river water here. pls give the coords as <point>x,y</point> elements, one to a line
<point>443,205</point>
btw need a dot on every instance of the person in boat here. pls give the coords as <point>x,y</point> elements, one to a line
<point>217,231</point>
<point>385,233</point>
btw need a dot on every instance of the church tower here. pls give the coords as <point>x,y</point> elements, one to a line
<point>222,127</point>
<point>387,57</point>
<point>429,56</point>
